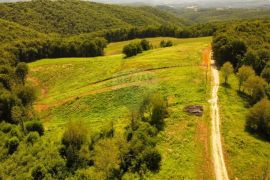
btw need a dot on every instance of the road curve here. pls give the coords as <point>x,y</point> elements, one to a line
<point>217,152</point>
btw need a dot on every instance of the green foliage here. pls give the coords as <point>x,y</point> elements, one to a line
<point>243,74</point>
<point>35,126</point>
<point>21,71</point>
<point>32,137</point>
<point>107,158</point>
<point>166,43</point>
<point>27,95</point>
<point>255,87</point>
<point>39,172</point>
<point>132,49</point>
<point>266,73</point>
<point>154,110</point>
<point>145,45</point>
<point>226,70</point>
<point>73,141</point>
<point>75,17</point>
<point>243,43</point>
<point>258,119</point>
<point>12,144</point>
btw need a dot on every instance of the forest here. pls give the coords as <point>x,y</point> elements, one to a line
<point>44,29</point>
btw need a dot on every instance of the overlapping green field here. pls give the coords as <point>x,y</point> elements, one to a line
<point>103,89</point>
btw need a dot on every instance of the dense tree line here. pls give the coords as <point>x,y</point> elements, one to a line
<point>31,50</point>
<point>244,43</point>
<point>256,89</point>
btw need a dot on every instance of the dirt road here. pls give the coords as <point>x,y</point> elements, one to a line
<point>217,152</point>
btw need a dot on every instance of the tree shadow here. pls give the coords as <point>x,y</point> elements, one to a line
<point>228,86</point>
<point>257,135</point>
<point>247,99</point>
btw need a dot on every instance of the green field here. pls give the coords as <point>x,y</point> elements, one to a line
<point>103,89</point>
<point>247,156</point>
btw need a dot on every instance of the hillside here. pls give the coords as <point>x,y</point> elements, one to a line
<point>10,31</point>
<point>74,17</point>
<point>104,89</point>
<point>204,15</point>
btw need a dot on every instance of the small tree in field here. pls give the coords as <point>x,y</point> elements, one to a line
<point>243,74</point>
<point>255,86</point>
<point>226,70</point>
<point>258,118</point>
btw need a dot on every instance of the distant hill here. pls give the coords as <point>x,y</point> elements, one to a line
<point>74,17</point>
<point>204,15</point>
<point>10,31</point>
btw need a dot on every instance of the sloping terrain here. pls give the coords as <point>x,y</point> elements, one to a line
<point>74,17</point>
<point>103,89</point>
<point>10,31</point>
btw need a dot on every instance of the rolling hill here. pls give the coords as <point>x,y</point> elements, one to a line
<point>10,31</point>
<point>74,17</point>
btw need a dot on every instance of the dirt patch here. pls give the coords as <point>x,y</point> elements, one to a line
<point>194,110</point>
<point>35,81</point>
<point>204,170</point>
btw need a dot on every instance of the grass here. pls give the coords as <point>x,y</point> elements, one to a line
<point>116,48</point>
<point>103,89</point>
<point>247,155</point>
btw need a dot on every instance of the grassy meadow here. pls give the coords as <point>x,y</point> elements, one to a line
<point>104,89</point>
<point>247,155</point>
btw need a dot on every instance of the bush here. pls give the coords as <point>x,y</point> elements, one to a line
<point>39,172</point>
<point>152,159</point>
<point>27,94</point>
<point>5,127</point>
<point>21,71</point>
<point>132,49</point>
<point>154,110</point>
<point>35,126</point>
<point>164,43</point>
<point>32,137</point>
<point>258,118</point>
<point>73,141</point>
<point>145,45</point>
<point>12,144</point>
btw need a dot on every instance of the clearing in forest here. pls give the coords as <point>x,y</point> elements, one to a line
<point>103,89</point>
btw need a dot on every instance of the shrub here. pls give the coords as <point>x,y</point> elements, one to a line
<point>258,118</point>
<point>152,159</point>
<point>154,110</point>
<point>74,137</point>
<point>5,127</point>
<point>32,137</point>
<point>27,94</point>
<point>35,126</point>
<point>39,172</point>
<point>145,45</point>
<point>164,43</point>
<point>21,71</point>
<point>12,144</point>
<point>132,49</point>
